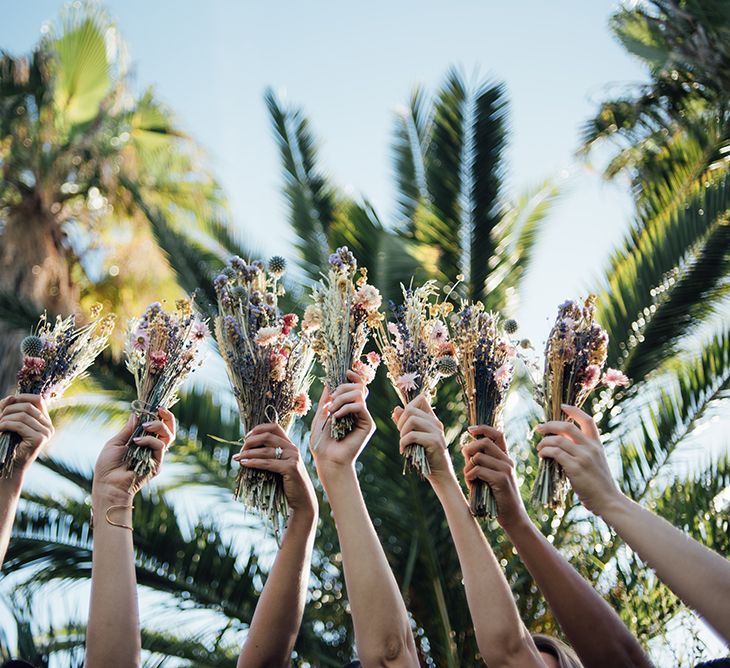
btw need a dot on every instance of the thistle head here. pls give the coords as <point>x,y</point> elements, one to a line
<point>510,326</point>
<point>31,346</point>
<point>277,266</point>
<point>447,366</point>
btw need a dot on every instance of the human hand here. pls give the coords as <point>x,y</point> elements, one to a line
<point>262,445</point>
<point>112,478</point>
<point>418,425</point>
<point>329,454</point>
<point>27,416</point>
<point>578,449</point>
<point>486,459</point>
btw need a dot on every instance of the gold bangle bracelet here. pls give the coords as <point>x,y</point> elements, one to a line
<point>117,524</point>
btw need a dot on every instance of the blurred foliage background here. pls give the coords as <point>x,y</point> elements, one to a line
<point>105,198</point>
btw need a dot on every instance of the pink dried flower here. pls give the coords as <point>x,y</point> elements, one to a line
<point>373,359</point>
<point>278,367</point>
<point>301,404</point>
<point>407,381</point>
<point>591,376</point>
<point>290,321</point>
<point>199,331</point>
<point>140,339</point>
<point>439,333</point>
<point>266,336</point>
<point>614,378</point>
<point>157,359</point>
<point>503,374</point>
<point>368,297</point>
<point>365,371</point>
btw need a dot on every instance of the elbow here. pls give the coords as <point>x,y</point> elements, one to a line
<point>395,650</point>
<point>503,648</point>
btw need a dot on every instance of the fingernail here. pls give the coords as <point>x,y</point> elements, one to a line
<point>137,439</point>
<point>245,461</point>
<point>538,428</point>
<point>564,405</point>
<point>146,424</point>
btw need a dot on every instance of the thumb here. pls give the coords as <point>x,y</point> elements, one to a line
<point>397,412</point>
<point>583,420</point>
<point>126,433</point>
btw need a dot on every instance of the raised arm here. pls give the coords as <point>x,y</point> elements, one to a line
<point>592,627</point>
<point>27,416</point>
<point>501,636</point>
<point>278,615</point>
<point>697,575</point>
<point>113,633</point>
<point>382,632</point>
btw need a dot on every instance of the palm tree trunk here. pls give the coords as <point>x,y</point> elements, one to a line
<point>34,265</point>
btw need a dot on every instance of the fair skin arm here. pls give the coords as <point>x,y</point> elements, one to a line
<point>113,634</point>
<point>501,636</point>
<point>278,615</point>
<point>593,628</point>
<point>27,416</point>
<point>697,575</point>
<point>382,631</point>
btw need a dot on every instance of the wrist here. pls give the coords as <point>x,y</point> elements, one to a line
<point>305,517</point>
<point>330,472</point>
<point>104,495</point>
<point>614,503</point>
<point>443,480</point>
<point>517,521</point>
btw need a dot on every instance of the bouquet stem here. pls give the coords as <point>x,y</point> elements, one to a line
<point>139,458</point>
<point>551,485</point>
<point>341,427</point>
<point>414,459</point>
<point>262,491</point>
<point>9,441</point>
<point>481,500</point>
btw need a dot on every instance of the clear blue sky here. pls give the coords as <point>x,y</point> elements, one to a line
<point>350,65</point>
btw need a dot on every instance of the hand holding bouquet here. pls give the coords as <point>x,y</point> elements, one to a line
<point>268,363</point>
<point>53,357</point>
<point>416,350</point>
<point>344,311</point>
<point>162,350</point>
<point>575,354</point>
<point>486,365</point>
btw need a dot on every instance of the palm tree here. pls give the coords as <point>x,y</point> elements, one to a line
<point>73,138</point>
<point>453,218</point>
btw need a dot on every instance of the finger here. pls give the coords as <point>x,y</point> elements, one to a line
<point>275,465</point>
<point>321,416</point>
<point>396,414</point>
<point>355,408</point>
<point>7,401</point>
<point>268,428</point>
<point>159,429</point>
<point>21,429</point>
<point>586,423</point>
<point>495,435</point>
<point>356,379</point>
<point>341,399</point>
<point>149,442</point>
<point>481,473</point>
<point>29,421</point>
<point>169,419</point>
<point>561,442</point>
<point>268,452</point>
<point>423,403</point>
<point>35,399</point>
<point>411,410</point>
<point>422,438</point>
<point>562,428</point>
<point>24,407</point>
<point>559,455</point>
<point>485,445</point>
<point>417,423</point>
<point>490,462</point>
<point>258,441</point>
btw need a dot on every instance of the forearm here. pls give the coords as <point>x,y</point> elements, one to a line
<point>380,619</point>
<point>278,616</point>
<point>591,626</point>
<point>113,635</point>
<point>501,636</point>
<point>696,574</point>
<point>10,489</point>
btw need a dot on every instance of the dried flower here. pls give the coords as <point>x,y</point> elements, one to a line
<point>268,364</point>
<point>161,351</point>
<point>54,356</point>
<point>340,319</point>
<point>412,346</point>
<point>614,378</point>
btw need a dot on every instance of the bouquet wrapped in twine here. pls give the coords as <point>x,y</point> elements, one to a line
<point>339,321</point>
<point>417,352</point>
<point>162,349</point>
<point>486,356</point>
<point>54,356</point>
<point>268,363</point>
<point>575,354</point>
